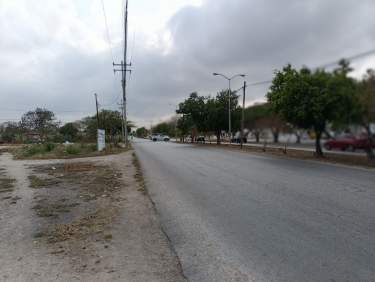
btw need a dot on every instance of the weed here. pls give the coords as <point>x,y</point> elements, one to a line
<point>73,150</point>
<point>6,184</point>
<point>37,182</point>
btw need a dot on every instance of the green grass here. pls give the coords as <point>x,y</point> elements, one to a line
<point>52,150</point>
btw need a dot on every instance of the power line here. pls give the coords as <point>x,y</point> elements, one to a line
<point>112,54</point>
<point>351,58</point>
<point>28,109</point>
<point>107,30</point>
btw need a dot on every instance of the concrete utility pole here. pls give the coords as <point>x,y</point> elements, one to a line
<point>124,70</point>
<point>97,109</point>
<point>122,115</point>
<point>243,113</point>
<point>229,79</point>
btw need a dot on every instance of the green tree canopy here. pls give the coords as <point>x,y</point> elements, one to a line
<point>69,131</point>
<point>141,132</point>
<point>41,122</point>
<point>209,114</point>
<point>110,121</point>
<point>365,114</point>
<point>309,99</point>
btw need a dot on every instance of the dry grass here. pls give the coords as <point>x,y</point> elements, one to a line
<point>6,183</point>
<point>60,151</point>
<point>37,182</point>
<point>299,154</point>
<point>94,186</point>
<point>80,229</point>
<point>139,174</point>
<point>46,209</point>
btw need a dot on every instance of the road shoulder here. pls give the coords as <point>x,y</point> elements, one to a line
<point>82,220</point>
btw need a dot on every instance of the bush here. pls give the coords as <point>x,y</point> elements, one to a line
<point>73,150</point>
<point>49,147</point>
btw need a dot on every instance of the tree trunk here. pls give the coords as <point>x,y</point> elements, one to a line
<point>218,138</point>
<point>257,134</point>
<point>369,151</point>
<point>318,147</point>
<point>298,138</point>
<point>275,136</point>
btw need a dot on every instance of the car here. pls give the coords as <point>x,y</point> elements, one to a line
<point>348,143</point>
<point>160,137</point>
<point>238,140</point>
<point>200,139</point>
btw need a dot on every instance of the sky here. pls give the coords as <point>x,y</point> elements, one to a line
<point>56,54</point>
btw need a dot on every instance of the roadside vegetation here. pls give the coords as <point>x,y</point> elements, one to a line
<point>61,151</point>
<point>315,103</point>
<point>41,136</point>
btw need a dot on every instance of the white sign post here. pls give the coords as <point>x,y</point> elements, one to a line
<point>101,140</point>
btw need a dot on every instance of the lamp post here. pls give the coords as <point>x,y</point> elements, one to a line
<point>229,79</point>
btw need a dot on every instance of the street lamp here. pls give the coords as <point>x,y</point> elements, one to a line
<point>229,99</point>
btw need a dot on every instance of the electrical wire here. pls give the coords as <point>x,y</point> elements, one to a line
<point>115,101</point>
<point>351,58</point>
<point>107,30</point>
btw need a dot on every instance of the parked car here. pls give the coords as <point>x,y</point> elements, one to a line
<point>348,143</point>
<point>200,139</point>
<point>238,140</point>
<point>160,137</point>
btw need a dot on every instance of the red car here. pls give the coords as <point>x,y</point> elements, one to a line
<point>348,143</point>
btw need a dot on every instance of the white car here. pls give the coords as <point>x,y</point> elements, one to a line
<point>160,137</point>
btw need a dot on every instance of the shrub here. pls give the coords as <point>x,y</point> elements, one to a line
<point>72,150</point>
<point>49,147</point>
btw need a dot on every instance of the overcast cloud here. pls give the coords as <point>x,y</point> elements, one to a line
<point>55,53</point>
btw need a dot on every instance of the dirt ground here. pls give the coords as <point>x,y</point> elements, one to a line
<point>80,220</point>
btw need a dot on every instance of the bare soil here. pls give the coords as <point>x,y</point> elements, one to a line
<point>80,220</point>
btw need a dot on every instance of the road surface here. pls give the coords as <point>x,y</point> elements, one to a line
<point>234,216</point>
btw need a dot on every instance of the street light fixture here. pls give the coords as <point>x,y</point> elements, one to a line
<point>229,99</point>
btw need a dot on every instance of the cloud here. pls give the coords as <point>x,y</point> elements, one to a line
<point>55,53</point>
<point>252,37</point>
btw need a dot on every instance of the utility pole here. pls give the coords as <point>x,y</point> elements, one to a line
<point>229,111</point>
<point>229,79</point>
<point>124,69</point>
<point>243,113</point>
<point>97,109</point>
<point>122,115</point>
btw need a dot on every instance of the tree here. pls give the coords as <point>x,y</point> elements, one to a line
<point>310,100</point>
<point>365,114</point>
<point>261,116</point>
<point>194,110</point>
<point>141,132</point>
<point>207,114</point>
<point>110,121</point>
<point>253,116</point>
<point>41,122</point>
<point>167,128</point>
<point>10,132</point>
<point>217,109</point>
<point>184,125</point>
<point>69,131</point>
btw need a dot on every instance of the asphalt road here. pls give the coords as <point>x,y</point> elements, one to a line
<point>235,216</point>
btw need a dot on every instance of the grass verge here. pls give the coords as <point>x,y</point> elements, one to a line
<point>62,151</point>
<point>328,157</point>
<point>139,174</point>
